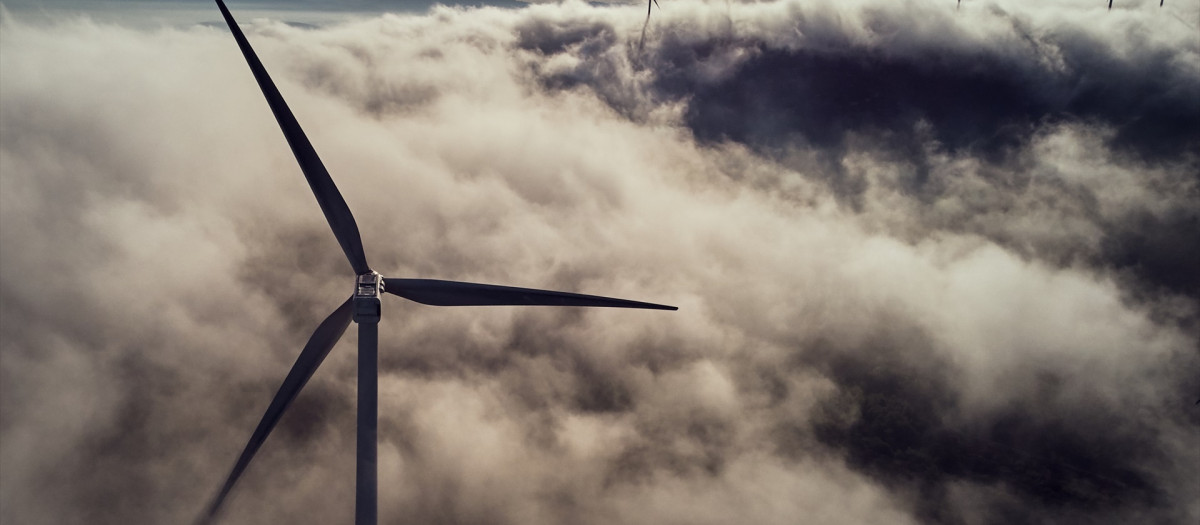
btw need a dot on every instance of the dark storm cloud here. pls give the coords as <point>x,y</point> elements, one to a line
<point>884,69</point>
<point>960,299</point>
<point>971,96</point>
<point>1068,463</point>
<point>836,81</point>
<point>879,77</point>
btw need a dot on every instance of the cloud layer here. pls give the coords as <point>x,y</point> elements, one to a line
<point>933,265</point>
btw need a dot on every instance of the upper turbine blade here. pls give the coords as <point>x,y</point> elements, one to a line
<point>337,213</point>
<point>454,293</point>
<point>322,340</point>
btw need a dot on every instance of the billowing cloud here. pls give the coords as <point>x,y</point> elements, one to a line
<point>934,266</point>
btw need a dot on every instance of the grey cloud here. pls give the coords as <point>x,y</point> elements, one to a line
<point>912,85</point>
<point>894,307</point>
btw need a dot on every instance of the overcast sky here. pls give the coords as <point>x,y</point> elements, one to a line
<point>145,13</point>
<point>933,265</point>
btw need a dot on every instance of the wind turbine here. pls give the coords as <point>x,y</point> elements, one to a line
<point>363,307</point>
<point>646,24</point>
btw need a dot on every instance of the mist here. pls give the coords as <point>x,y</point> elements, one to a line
<point>933,265</point>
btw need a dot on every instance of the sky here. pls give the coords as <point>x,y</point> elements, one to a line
<point>182,13</point>
<point>934,264</point>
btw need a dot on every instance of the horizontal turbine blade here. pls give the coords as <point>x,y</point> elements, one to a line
<point>322,340</point>
<point>337,213</point>
<point>455,293</point>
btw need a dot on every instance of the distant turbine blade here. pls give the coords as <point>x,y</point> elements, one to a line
<point>454,293</point>
<point>337,213</point>
<point>322,340</point>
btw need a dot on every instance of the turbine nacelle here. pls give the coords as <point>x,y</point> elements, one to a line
<point>367,289</point>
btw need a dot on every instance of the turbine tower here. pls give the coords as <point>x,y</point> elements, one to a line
<point>363,307</point>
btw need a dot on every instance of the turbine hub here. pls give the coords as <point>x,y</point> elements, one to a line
<point>367,289</point>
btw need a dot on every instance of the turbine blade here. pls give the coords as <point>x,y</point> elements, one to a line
<point>337,213</point>
<point>455,293</point>
<point>322,340</point>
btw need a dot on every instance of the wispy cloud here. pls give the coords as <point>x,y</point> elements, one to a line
<point>933,266</point>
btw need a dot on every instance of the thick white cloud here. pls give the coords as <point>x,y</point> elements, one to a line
<point>898,317</point>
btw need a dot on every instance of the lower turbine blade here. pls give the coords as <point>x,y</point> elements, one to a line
<point>454,293</point>
<point>322,340</point>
